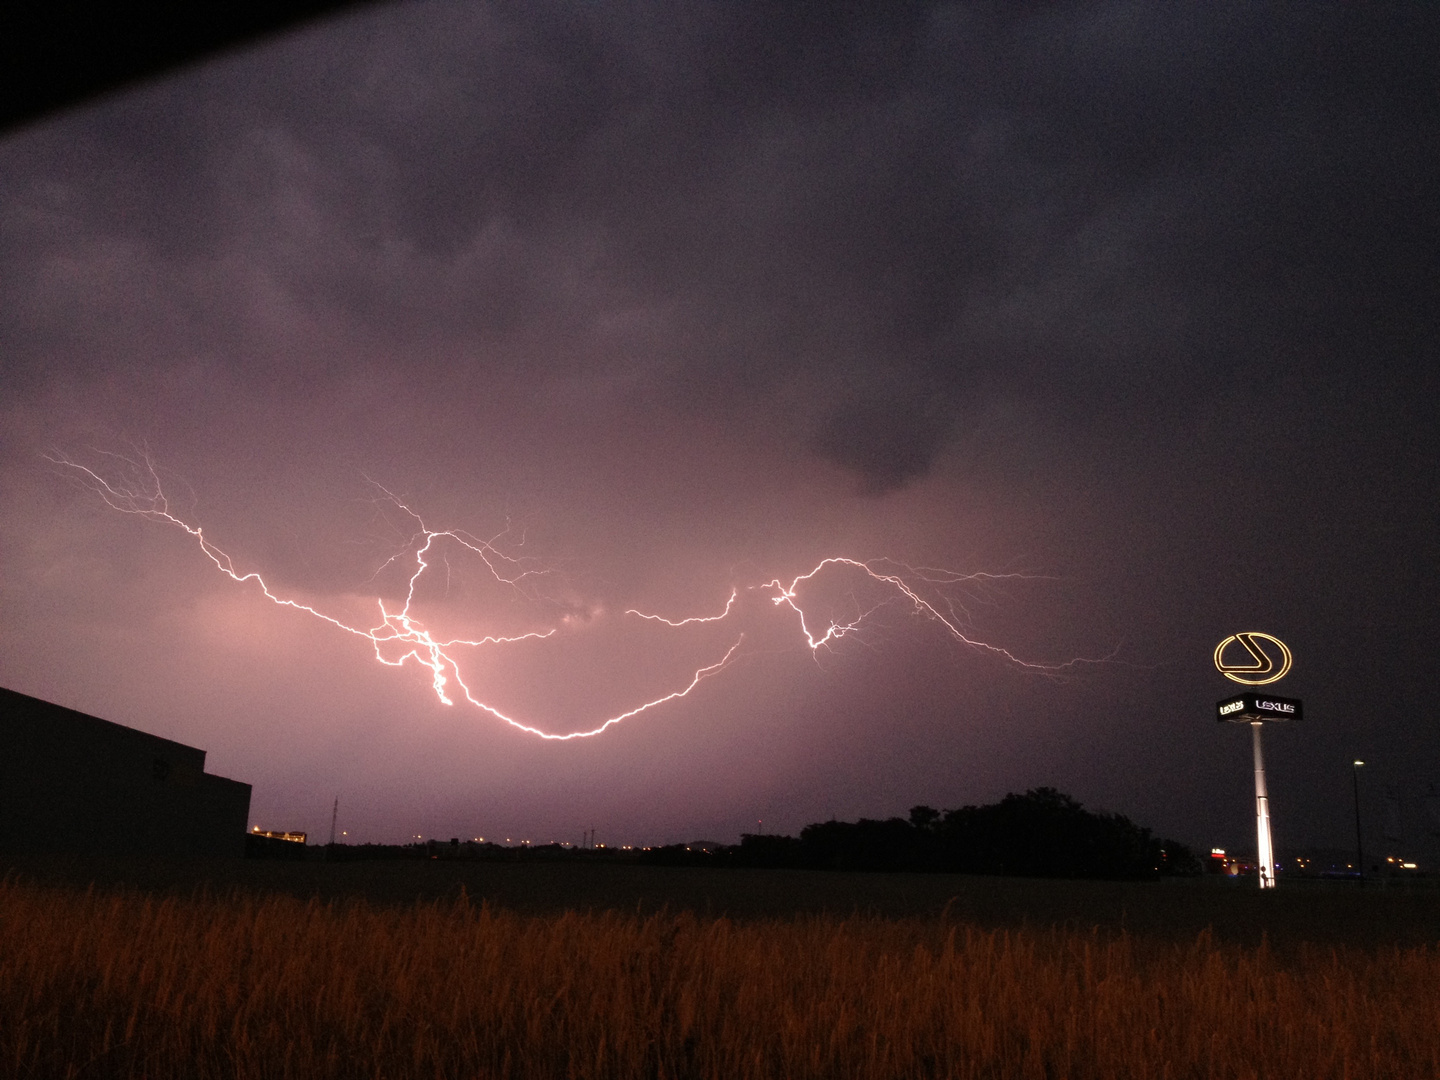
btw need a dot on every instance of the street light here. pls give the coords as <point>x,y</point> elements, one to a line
<point>1359,846</point>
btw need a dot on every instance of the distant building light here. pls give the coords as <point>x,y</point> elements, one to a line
<point>1217,852</point>
<point>293,837</point>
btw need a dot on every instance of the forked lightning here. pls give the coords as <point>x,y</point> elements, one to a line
<point>133,487</point>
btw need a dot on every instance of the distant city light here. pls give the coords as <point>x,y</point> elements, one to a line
<point>292,836</point>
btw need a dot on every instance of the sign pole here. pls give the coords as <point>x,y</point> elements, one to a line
<point>1265,850</point>
<point>1262,659</point>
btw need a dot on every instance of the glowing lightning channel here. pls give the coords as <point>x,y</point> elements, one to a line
<point>787,596</point>
<point>400,637</point>
<point>149,501</point>
<point>729,605</point>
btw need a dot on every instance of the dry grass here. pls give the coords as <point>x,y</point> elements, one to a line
<point>128,984</point>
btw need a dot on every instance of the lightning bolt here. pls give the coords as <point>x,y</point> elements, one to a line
<point>787,595</point>
<point>400,637</point>
<point>729,606</point>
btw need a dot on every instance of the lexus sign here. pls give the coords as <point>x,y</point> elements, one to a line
<point>1250,708</point>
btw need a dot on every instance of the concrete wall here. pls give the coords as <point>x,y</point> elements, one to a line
<point>76,783</point>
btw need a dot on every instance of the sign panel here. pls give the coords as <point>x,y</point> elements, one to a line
<point>1249,708</point>
<point>1252,658</point>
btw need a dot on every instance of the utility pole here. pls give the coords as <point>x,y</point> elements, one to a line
<point>334,813</point>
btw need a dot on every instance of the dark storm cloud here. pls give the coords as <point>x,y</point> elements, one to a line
<point>1120,202</point>
<point>885,441</point>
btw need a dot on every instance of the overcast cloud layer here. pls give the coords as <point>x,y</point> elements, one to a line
<point>1138,300</point>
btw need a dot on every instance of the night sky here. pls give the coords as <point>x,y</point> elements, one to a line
<point>1135,304</point>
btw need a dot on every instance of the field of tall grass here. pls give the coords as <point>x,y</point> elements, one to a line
<point>122,984</point>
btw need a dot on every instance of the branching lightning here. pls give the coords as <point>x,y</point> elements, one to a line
<point>729,606</point>
<point>787,595</point>
<point>400,637</point>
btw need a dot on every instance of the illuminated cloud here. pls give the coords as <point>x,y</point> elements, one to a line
<point>1137,301</point>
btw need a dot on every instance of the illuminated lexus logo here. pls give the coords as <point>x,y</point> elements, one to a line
<point>1258,665</point>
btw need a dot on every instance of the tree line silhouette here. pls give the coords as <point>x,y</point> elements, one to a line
<point>1042,833</point>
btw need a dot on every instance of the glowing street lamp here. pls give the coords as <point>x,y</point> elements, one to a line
<point>1359,847</point>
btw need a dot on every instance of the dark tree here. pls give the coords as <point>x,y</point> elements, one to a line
<point>924,818</point>
<point>1045,833</point>
<point>767,850</point>
<point>893,844</point>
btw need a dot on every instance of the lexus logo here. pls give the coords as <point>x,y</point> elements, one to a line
<point>1258,663</point>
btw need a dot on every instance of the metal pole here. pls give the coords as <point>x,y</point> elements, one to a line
<point>1265,854</point>
<point>334,813</point>
<point>1359,847</point>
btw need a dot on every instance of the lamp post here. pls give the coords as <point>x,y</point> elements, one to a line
<point>1359,846</point>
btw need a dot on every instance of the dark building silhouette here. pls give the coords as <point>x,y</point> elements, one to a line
<point>75,783</point>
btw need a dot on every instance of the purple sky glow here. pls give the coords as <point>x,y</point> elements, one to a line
<point>1132,306</point>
